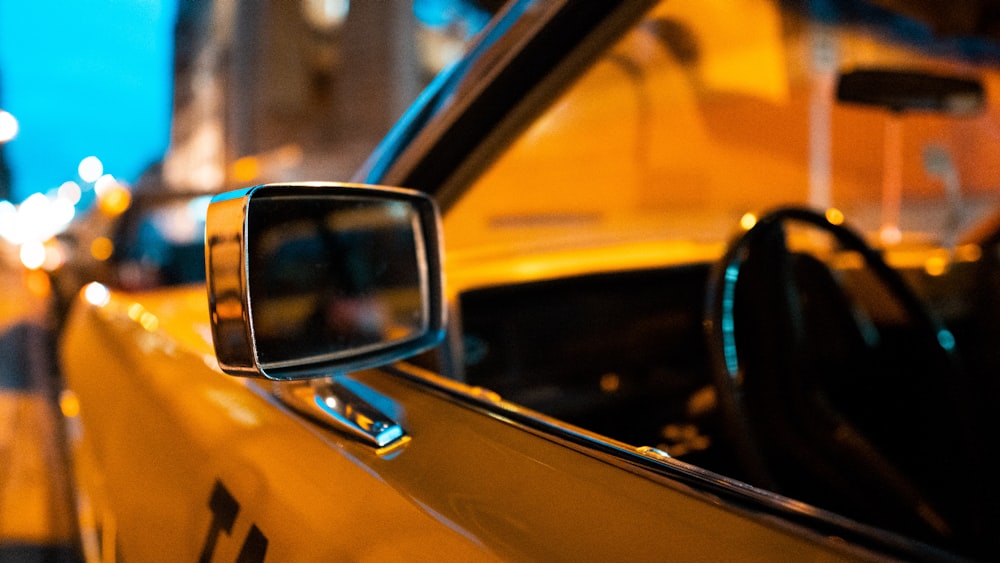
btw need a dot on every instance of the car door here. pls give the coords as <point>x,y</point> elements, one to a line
<point>176,459</point>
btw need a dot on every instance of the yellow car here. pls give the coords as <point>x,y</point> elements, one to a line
<point>631,281</point>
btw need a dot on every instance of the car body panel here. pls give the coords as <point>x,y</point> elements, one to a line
<point>466,486</point>
<point>222,430</point>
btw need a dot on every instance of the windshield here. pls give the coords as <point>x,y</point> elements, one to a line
<point>708,110</point>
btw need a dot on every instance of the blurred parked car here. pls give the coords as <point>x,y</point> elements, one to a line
<point>151,240</point>
<point>711,280</point>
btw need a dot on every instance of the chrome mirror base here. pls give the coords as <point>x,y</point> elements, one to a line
<point>336,403</point>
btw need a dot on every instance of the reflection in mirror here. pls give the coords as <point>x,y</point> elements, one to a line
<point>331,276</point>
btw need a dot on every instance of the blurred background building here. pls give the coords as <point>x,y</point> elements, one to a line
<point>272,90</point>
<point>119,96</point>
<point>200,84</point>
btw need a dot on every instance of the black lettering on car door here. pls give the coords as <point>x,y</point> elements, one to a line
<point>225,508</point>
<point>254,547</point>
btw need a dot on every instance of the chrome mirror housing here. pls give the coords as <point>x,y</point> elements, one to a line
<point>315,279</point>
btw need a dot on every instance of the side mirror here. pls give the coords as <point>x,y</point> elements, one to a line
<point>903,90</point>
<point>312,280</point>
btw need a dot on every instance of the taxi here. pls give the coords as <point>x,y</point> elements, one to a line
<point>631,281</point>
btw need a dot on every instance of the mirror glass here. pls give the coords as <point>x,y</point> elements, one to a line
<point>331,276</point>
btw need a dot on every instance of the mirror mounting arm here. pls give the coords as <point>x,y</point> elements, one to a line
<point>331,401</point>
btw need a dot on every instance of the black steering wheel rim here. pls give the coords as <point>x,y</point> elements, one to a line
<point>720,326</point>
<point>722,280</point>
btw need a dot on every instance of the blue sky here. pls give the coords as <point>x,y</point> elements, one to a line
<point>85,77</point>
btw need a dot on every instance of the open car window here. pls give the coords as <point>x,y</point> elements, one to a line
<point>854,152</point>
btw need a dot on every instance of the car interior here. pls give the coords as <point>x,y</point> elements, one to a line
<point>838,386</point>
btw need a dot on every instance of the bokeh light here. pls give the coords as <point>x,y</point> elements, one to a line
<point>102,248</point>
<point>32,254</point>
<point>325,15</point>
<point>37,218</point>
<point>90,169</point>
<point>8,126</point>
<point>96,294</point>
<point>71,192</point>
<point>747,221</point>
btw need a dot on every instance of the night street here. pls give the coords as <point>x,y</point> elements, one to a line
<point>36,522</point>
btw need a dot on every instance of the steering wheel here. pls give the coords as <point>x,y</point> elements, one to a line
<point>817,403</point>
